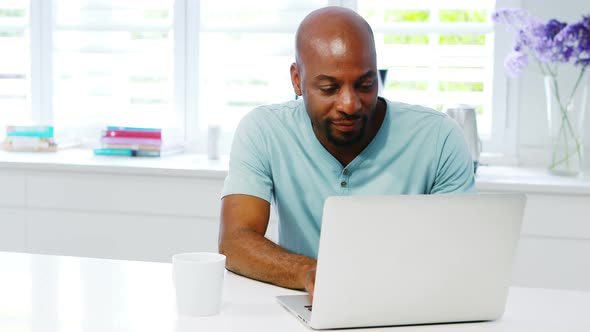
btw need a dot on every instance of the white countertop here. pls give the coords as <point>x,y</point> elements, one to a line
<point>41,293</point>
<point>83,160</point>
<point>529,180</point>
<point>489,178</point>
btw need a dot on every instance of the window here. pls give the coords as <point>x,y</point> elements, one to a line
<point>113,63</point>
<point>15,62</point>
<point>246,50</point>
<point>438,53</point>
<point>184,65</point>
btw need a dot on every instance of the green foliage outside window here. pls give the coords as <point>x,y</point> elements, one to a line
<point>406,39</point>
<point>460,86</point>
<point>6,34</point>
<point>148,79</point>
<point>407,85</point>
<point>455,16</point>
<point>462,40</point>
<point>148,101</point>
<point>393,15</point>
<point>148,35</point>
<point>155,14</point>
<point>252,82</point>
<point>12,12</point>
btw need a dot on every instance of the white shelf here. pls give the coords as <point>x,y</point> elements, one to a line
<point>529,180</point>
<point>84,161</point>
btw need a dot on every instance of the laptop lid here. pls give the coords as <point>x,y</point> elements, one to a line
<point>417,259</point>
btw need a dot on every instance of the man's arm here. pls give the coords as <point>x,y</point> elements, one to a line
<point>244,220</point>
<point>454,171</point>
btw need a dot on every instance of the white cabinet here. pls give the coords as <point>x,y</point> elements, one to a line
<point>13,230</point>
<point>152,195</point>
<point>119,235</point>
<point>557,216</point>
<point>121,216</point>
<point>552,263</point>
<point>12,189</point>
<point>147,216</point>
<point>554,247</point>
<point>12,214</point>
<point>151,213</point>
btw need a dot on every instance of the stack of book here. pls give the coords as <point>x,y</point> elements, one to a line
<point>130,141</point>
<point>29,138</point>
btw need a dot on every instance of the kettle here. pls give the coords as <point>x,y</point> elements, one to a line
<point>465,116</point>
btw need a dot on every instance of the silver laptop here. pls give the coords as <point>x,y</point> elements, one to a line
<point>418,259</point>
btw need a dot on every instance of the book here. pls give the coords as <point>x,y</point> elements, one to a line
<point>165,151</point>
<point>30,131</point>
<point>113,152</point>
<point>134,128</point>
<point>131,146</point>
<point>133,133</point>
<point>147,153</point>
<point>168,150</point>
<point>26,143</point>
<point>131,140</point>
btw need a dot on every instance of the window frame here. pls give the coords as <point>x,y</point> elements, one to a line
<point>502,148</point>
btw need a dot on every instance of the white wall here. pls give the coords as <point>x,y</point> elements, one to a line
<point>533,130</point>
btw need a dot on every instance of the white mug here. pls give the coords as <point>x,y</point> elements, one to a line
<point>198,280</point>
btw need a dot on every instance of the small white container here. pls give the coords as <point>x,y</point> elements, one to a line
<point>198,280</point>
<point>213,134</point>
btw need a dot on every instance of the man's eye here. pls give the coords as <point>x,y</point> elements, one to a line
<point>328,89</point>
<point>367,86</point>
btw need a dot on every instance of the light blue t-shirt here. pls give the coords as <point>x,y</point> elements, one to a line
<point>276,156</point>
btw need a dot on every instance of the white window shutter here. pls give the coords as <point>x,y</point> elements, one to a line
<point>15,63</point>
<point>113,64</point>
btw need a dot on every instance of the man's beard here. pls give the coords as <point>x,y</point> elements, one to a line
<point>346,139</point>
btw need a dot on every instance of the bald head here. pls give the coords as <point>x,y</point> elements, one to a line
<point>332,31</point>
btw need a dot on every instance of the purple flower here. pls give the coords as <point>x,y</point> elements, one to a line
<point>553,27</point>
<point>510,17</point>
<point>551,41</point>
<point>515,62</point>
<point>573,42</point>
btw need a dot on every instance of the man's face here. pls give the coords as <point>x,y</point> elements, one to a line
<point>339,85</point>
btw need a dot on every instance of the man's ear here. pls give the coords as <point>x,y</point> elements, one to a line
<point>296,79</point>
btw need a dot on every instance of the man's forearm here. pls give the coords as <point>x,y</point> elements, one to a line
<point>252,255</point>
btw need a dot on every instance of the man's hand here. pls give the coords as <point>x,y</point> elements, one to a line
<point>310,283</point>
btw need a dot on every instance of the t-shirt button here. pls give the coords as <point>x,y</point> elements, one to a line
<point>345,172</point>
<point>343,184</point>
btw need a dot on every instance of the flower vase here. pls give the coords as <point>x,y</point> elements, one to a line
<point>565,113</point>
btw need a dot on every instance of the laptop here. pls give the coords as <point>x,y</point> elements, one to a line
<point>412,259</point>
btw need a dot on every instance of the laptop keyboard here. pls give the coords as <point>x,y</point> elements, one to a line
<point>308,307</point>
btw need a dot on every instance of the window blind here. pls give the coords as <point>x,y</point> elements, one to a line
<point>15,63</point>
<point>246,49</point>
<point>113,63</point>
<point>437,53</point>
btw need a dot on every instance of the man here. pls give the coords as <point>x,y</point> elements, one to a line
<point>340,140</point>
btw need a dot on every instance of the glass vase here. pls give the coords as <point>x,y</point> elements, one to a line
<point>565,112</point>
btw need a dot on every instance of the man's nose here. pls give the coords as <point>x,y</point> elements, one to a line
<point>350,102</point>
